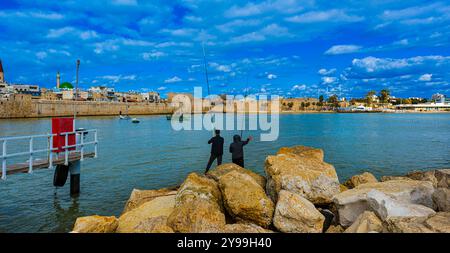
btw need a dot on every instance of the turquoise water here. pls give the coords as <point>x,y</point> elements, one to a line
<point>151,155</point>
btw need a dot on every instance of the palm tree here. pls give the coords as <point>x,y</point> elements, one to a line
<point>384,95</point>
<point>369,97</point>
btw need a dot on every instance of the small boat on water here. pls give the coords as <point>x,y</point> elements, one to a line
<point>135,120</point>
<point>124,117</point>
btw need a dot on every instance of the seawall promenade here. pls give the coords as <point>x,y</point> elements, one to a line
<point>28,108</point>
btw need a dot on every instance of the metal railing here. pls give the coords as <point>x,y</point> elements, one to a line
<point>79,143</point>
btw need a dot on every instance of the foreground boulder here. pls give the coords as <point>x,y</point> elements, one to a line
<point>198,206</point>
<point>245,199</point>
<point>313,179</point>
<point>365,223</point>
<point>134,221</point>
<point>443,178</point>
<point>351,203</point>
<point>441,198</point>
<point>303,151</point>
<point>295,214</point>
<point>95,224</point>
<point>438,223</point>
<point>244,228</point>
<point>139,197</point>
<point>388,178</point>
<point>423,176</point>
<point>153,225</point>
<point>223,169</point>
<point>197,216</point>
<point>199,187</point>
<point>385,207</point>
<point>334,229</point>
<point>364,178</point>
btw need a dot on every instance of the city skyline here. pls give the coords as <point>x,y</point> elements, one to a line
<point>284,47</point>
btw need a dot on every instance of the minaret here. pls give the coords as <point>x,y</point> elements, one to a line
<point>58,80</point>
<point>2,75</point>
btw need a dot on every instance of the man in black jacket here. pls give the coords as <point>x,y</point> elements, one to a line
<point>237,150</point>
<point>216,150</point>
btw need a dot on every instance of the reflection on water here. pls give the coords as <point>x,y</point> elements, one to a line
<point>152,155</point>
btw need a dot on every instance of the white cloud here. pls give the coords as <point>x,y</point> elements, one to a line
<point>125,2</point>
<point>153,55</point>
<point>402,42</point>
<point>41,55</point>
<point>326,72</point>
<point>56,33</point>
<point>271,76</point>
<point>425,77</point>
<point>219,67</point>
<point>252,9</point>
<point>174,79</point>
<point>328,79</point>
<point>118,78</point>
<point>342,49</point>
<point>334,15</point>
<point>298,87</point>
<point>272,30</point>
<point>162,88</point>
<point>86,35</point>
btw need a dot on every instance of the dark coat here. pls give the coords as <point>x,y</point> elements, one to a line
<point>237,147</point>
<point>217,145</point>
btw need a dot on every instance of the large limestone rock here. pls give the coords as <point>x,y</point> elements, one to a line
<point>423,176</point>
<point>295,214</point>
<point>302,151</point>
<point>153,225</point>
<point>443,178</point>
<point>313,179</point>
<point>131,221</point>
<point>353,202</point>
<point>197,216</point>
<point>95,224</point>
<point>199,187</point>
<point>335,229</point>
<point>244,228</point>
<point>364,178</point>
<point>441,198</point>
<point>438,223</point>
<point>385,206</point>
<point>365,223</point>
<point>245,199</point>
<point>223,169</point>
<point>139,197</point>
<point>198,206</point>
<point>388,178</point>
<point>406,225</point>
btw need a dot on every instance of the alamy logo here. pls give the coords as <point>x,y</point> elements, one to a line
<point>230,113</point>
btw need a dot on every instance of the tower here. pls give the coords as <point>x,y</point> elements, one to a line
<point>58,80</point>
<point>2,75</point>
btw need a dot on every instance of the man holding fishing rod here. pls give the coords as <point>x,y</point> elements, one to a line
<point>216,150</point>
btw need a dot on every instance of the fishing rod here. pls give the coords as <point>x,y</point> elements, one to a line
<point>245,96</point>
<point>213,118</point>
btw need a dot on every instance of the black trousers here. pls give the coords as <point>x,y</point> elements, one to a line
<point>239,161</point>
<point>211,160</point>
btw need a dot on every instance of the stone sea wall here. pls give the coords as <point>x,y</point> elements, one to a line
<point>23,107</point>
<point>299,193</point>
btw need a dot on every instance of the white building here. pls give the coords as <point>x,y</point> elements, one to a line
<point>152,97</point>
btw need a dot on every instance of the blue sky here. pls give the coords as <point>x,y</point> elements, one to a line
<point>283,47</point>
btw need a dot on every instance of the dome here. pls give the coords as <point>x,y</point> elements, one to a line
<point>66,85</point>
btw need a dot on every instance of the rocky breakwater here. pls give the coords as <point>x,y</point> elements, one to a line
<point>299,193</point>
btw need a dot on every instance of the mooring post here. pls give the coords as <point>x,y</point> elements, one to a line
<point>75,170</point>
